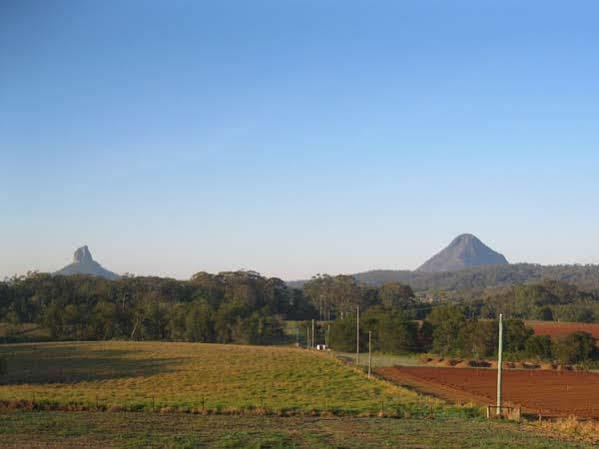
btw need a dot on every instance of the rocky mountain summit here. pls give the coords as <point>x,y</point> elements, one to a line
<point>83,263</point>
<point>465,251</point>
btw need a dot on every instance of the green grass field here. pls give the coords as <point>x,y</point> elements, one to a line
<point>196,377</point>
<point>184,395</point>
<point>147,430</point>
<point>383,360</point>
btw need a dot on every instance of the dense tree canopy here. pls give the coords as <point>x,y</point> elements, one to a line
<point>547,300</point>
<point>339,296</point>
<point>228,307</point>
<point>392,332</point>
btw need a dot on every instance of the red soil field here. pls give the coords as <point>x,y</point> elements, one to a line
<point>551,393</point>
<point>554,329</point>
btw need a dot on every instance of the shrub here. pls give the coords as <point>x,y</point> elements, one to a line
<point>574,348</point>
<point>448,322</point>
<point>539,346</point>
<point>516,335</point>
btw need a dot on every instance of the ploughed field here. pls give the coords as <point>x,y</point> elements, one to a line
<point>550,393</point>
<point>554,329</point>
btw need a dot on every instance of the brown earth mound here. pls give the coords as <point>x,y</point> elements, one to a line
<point>479,364</point>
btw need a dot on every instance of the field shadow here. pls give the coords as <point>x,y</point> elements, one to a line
<point>73,365</point>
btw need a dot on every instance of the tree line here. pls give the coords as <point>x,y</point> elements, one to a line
<point>452,331</point>
<point>338,296</point>
<point>583,276</point>
<point>548,300</point>
<point>229,307</point>
<point>245,307</point>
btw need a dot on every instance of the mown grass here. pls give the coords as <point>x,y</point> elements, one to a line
<point>380,360</point>
<point>52,429</point>
<point>198,378</point>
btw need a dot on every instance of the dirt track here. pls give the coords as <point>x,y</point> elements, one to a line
<point>553,393</point>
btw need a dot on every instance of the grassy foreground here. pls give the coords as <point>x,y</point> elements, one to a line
<point>197,378</point>
<point>94,395</point>
<point>52,429</point>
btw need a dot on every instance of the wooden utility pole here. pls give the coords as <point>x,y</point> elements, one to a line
<point>307,338</point>
<point>312,334</point>
<point>369,352</point>
<point>358,335</point>
<point>499,363</point>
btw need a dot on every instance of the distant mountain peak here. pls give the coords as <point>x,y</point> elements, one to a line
<point>465,251</point>
<point>82,255</point>
<point>460,238</point>
<point>83,263</point>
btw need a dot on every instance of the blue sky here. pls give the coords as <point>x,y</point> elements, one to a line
<point>296,137</point>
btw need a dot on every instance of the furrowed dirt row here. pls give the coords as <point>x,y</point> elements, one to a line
<point>550,393</point>
<point>554,329</point>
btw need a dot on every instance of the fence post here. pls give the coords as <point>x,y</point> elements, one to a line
<point>369,353</point>
<point>499,364</point>
<point>358,335</point>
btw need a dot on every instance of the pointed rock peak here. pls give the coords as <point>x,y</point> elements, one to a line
<point>83,263</point>
<point>465,238</point>
<point>464,251</point>
<point>82,255</point>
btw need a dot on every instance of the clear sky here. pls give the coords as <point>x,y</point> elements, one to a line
<point>296,137</point>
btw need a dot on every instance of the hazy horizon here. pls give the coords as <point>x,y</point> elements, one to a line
<point>308,276</point>
<point>296,138</point>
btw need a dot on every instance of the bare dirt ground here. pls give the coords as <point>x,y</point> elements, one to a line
<point>554,329</point>
<point>550,393</point>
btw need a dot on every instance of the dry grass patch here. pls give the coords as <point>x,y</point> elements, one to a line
<point>587,430</point>
<point>193,378</point>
